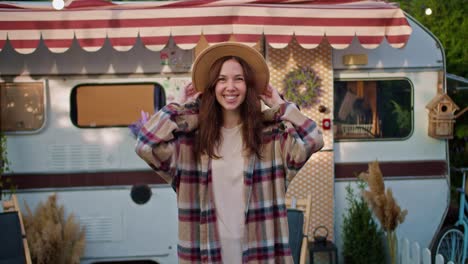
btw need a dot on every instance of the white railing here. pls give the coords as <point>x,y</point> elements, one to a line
<point>356,129</point>
<point>412,254</point>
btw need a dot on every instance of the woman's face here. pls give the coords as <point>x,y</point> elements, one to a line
<point>230,87</point>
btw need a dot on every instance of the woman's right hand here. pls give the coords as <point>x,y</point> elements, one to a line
<point>189,93</point>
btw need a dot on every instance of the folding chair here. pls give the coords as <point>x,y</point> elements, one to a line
<point>298,216</point>
<point>14,246</point>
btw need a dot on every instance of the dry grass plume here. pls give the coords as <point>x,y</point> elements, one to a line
<point>382,203</point>
<point>52,238</point>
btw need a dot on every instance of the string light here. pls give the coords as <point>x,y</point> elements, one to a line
<point>428,11</point>
<point>58,4</point>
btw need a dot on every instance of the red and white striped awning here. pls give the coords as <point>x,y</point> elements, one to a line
<point>91,22</point>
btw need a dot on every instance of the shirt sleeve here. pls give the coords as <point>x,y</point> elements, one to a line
<point>300,140</point>
<point>158,140</point>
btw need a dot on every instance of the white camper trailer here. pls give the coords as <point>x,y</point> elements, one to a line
<point>73,80</point>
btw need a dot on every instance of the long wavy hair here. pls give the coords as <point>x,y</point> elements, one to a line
<point>211,119</point>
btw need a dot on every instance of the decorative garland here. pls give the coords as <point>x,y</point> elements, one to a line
<point>305,78</point>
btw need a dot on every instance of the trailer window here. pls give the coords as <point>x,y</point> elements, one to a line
<point>22,106</point>
<point>372,109</point>
<point>110,105</point>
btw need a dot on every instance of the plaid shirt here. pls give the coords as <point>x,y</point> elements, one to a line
<point>166,143</point>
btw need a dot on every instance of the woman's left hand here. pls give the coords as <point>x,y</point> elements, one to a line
<point>271,97</point>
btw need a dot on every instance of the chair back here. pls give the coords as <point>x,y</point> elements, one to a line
<point>295,220</point>
<point>13,217</point>
<point>11,239</point>
<point>302,209</point>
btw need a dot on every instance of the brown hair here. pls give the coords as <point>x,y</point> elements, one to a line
<point>211,115</point>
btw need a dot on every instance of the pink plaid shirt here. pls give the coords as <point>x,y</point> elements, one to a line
<point>289,138</point>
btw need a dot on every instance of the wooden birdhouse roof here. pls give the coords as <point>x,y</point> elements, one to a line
<point>441,97</point>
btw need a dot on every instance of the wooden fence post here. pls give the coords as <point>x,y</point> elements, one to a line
<point>417,256</point>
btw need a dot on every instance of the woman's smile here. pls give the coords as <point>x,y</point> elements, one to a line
<point>230,98</point>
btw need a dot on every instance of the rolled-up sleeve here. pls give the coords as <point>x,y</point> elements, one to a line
<point>157,142</point>
<point>300,140</point>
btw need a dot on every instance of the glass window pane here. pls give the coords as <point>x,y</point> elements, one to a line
<point>22,106</point>
<point>374,109</point>
<point>104,105</point>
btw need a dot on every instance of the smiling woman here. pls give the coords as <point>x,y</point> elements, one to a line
<point>214,147</point>
<point>231,89</point>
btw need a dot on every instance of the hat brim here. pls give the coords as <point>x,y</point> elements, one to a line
<point>204,61</point>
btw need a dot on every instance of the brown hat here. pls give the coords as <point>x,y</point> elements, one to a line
<point>204,61</point>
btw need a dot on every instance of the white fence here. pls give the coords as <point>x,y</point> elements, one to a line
<point>412,254</point>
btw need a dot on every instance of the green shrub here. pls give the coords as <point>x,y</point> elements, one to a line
<point>362,237</point>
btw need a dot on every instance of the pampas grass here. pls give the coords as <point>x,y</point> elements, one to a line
<point>52,238</point>
<point>382,202</point>
<point>383,205</point>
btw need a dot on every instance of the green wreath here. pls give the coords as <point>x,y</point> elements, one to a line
<point>302,86</point>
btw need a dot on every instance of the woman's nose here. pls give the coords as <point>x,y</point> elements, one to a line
<point>230,84</point>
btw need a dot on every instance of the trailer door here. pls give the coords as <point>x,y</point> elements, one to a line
<point>295,71</point>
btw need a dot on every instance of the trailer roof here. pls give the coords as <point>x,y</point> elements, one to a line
<point>92,22</point>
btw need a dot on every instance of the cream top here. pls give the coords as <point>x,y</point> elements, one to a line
<point>228,188</point>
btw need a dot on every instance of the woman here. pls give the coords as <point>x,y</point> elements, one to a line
<point>228,161</point>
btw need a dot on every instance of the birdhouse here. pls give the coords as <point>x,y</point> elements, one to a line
<point>441,116</point>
